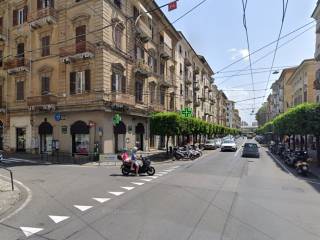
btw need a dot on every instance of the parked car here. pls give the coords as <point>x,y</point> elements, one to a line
<point>218,142</point>
<point>210,144</point>
<point>250,150</point>
<point>228,145</point>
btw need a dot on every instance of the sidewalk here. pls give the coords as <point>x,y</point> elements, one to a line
<point>8,198</point>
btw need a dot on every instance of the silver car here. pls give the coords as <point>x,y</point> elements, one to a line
<point>210,144</point>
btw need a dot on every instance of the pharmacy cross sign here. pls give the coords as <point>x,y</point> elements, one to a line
<point>116,119</point>
<point>187,112</point>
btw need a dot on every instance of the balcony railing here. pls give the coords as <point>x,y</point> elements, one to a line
<point>3,34</point>
<point>42,17</point>
<point>197,103</point>
<point>166,80</point>
<point>143,31</point>
<point>17,65</point>
<point>156,107</point>
<point>44,100</point>
<point>142,68</point>
<point>187,62</point>
<point>81,50</point>
<point>165,51</point>
<point>188,80</point>
<point>188,99</point>
<point>122,98</point>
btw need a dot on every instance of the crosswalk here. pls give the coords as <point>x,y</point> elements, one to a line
<point>16,161</point>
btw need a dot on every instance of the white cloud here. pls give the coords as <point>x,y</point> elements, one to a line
<point>239,53</point>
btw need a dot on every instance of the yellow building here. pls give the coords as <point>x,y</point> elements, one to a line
<point>287,87</point>
<point>69,67</point>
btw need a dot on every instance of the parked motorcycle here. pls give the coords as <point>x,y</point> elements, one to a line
<point>182,153</point>
<point>145,167</point>
<point>302,168</point>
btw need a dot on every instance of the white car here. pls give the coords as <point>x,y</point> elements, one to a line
<point>228,145</point>
<point>218,142</point>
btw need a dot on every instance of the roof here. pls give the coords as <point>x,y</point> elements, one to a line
<point>298,68</point>
<point>315,9</point>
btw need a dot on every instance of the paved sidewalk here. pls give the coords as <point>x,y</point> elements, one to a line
<point>8,198</point>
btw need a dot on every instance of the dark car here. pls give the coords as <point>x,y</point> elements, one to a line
<point>250,150</point>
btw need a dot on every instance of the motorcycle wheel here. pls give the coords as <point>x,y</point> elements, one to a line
<point>125,172</point>
<point>151,171</point>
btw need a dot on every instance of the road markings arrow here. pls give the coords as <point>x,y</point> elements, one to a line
<point>101,200</point>
<point>128,188</point>
<point>137,183</point>
<point>58,219</point>
<point>82,208</point>
<point>116,193</point>
<point>28,231</point>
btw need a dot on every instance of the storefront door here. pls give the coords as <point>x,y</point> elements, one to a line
<point>21,139</point>
<point>80,138</point>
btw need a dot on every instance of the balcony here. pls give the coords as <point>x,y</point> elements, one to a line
<point>142,68</point>
<point>122,98</point>
<point>196,87</point>
<point>316,84</point>
<point>203,99</point>
<point>157,108</point>
<point>188,100</point>
<point>165,51</point>
<point>44,102</point>
<point>79,51</point>
<point>42,17</point>
<point>197,103</point>
<point>187,62</point>
<point>3,34</point>
<point>143,31</point>
<point>196,70</point>
<point>17,65</point>
<point>166,80</point>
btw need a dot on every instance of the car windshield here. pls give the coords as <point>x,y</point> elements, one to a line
<point>250,145</point>
<point>210,141</point>
<point>228,141</point>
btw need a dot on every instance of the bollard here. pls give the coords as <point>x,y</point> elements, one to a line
<point>11,176</point>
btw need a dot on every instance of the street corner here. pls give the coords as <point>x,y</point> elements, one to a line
<point>12,199</point>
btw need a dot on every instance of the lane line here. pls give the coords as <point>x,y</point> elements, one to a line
<point>146,180</point>
<point>137,183</point>
<point>58,219</point>
<point>82,208</point>
<point>116,193</point>
<point>101,200</point>
<point>128,188</point>
<point>28,231</point>
<point>237,152</point>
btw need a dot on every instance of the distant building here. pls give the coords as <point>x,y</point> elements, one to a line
<point>254,124</point>
<point>244,124</point>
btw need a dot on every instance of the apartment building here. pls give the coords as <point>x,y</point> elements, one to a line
<point>236,119</point>
<point>222,102</point>
<point>316,83</point>
<point>230,113</point>
<point>301,83</point>
<point>287,89</point>
<point>70,68</point>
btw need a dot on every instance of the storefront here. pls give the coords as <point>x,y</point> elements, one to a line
<point>45,131</point>
<point>80,138</point>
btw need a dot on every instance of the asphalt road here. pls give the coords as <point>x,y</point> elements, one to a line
<point>220,196</point>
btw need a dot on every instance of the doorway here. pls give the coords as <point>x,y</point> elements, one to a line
<point>119,131</point>
<point>20,139</point>
<point>140,136</point>
<point>45,132</point>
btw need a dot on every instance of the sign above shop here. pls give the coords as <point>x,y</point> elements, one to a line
<point>58,116</point>
<point>116,119</point>
<point>186,112</point>
<point>119,107</point>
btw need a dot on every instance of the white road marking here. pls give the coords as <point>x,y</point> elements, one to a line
<point>58,219</point>
<point>29,193</point>
<point>158,174</point>
<point>116,193</point>
<point>163,172</point>
<point>154,177</point>
<point>101,200</point>
<point>28,231</point>
<point>146,180</point>
<point>137,183</point>
<point>82,208</point>
<point>237,152</point>
<point>128,188</point>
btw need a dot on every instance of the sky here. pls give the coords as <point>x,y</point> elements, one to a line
<point>215,30</point>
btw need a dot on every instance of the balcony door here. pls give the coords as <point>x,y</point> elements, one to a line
<point>80,38</point>
<point>20,54</point>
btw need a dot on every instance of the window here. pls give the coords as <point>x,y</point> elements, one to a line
<point>180,69</point>
<point>1,56</point>
<point>139,91</point>
<point>181,89</point>
<point>81,39</point>
<point>162,67</point>
<point>45,84</point>
<point>152,89</point>
<point>80,82</point>
<point>20,16</point>
<point>118,82</point>
<point>171,101</point>
<point>42,4</point>
<point>139,53</point>
<point>117,3</point>
<point>19,90</point>
<point>162,95</point>
<point>180,49</point>
<point>136,12</point>
<point>118,36</point>
<point>45,42</point>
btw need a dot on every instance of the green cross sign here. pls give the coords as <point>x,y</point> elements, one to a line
<point>187,112</point>
<point>116,119</point>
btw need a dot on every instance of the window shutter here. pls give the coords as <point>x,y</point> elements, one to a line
<point>39,4</point>
<point>87,79</point>
<point>25,13</point>
<point>123,84</point>
<point>72,82</point>
<point>15,17</point>
<point>113,82</point>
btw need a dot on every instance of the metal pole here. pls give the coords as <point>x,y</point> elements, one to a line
<point>11,176</point>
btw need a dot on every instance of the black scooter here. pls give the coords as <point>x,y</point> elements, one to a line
<point>145,168</point>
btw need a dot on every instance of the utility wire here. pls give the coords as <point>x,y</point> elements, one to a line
<point>192,9</point>
<point>265,46</point>
<point>284,11</point>
<point>244,8</point>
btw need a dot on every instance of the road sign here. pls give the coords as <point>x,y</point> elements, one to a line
<point>58,116</point>
<point>116,119</point>
<point>187,112</point>
<point>172,6</point>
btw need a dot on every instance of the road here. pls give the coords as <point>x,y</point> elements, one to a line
<point>220,196</point>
